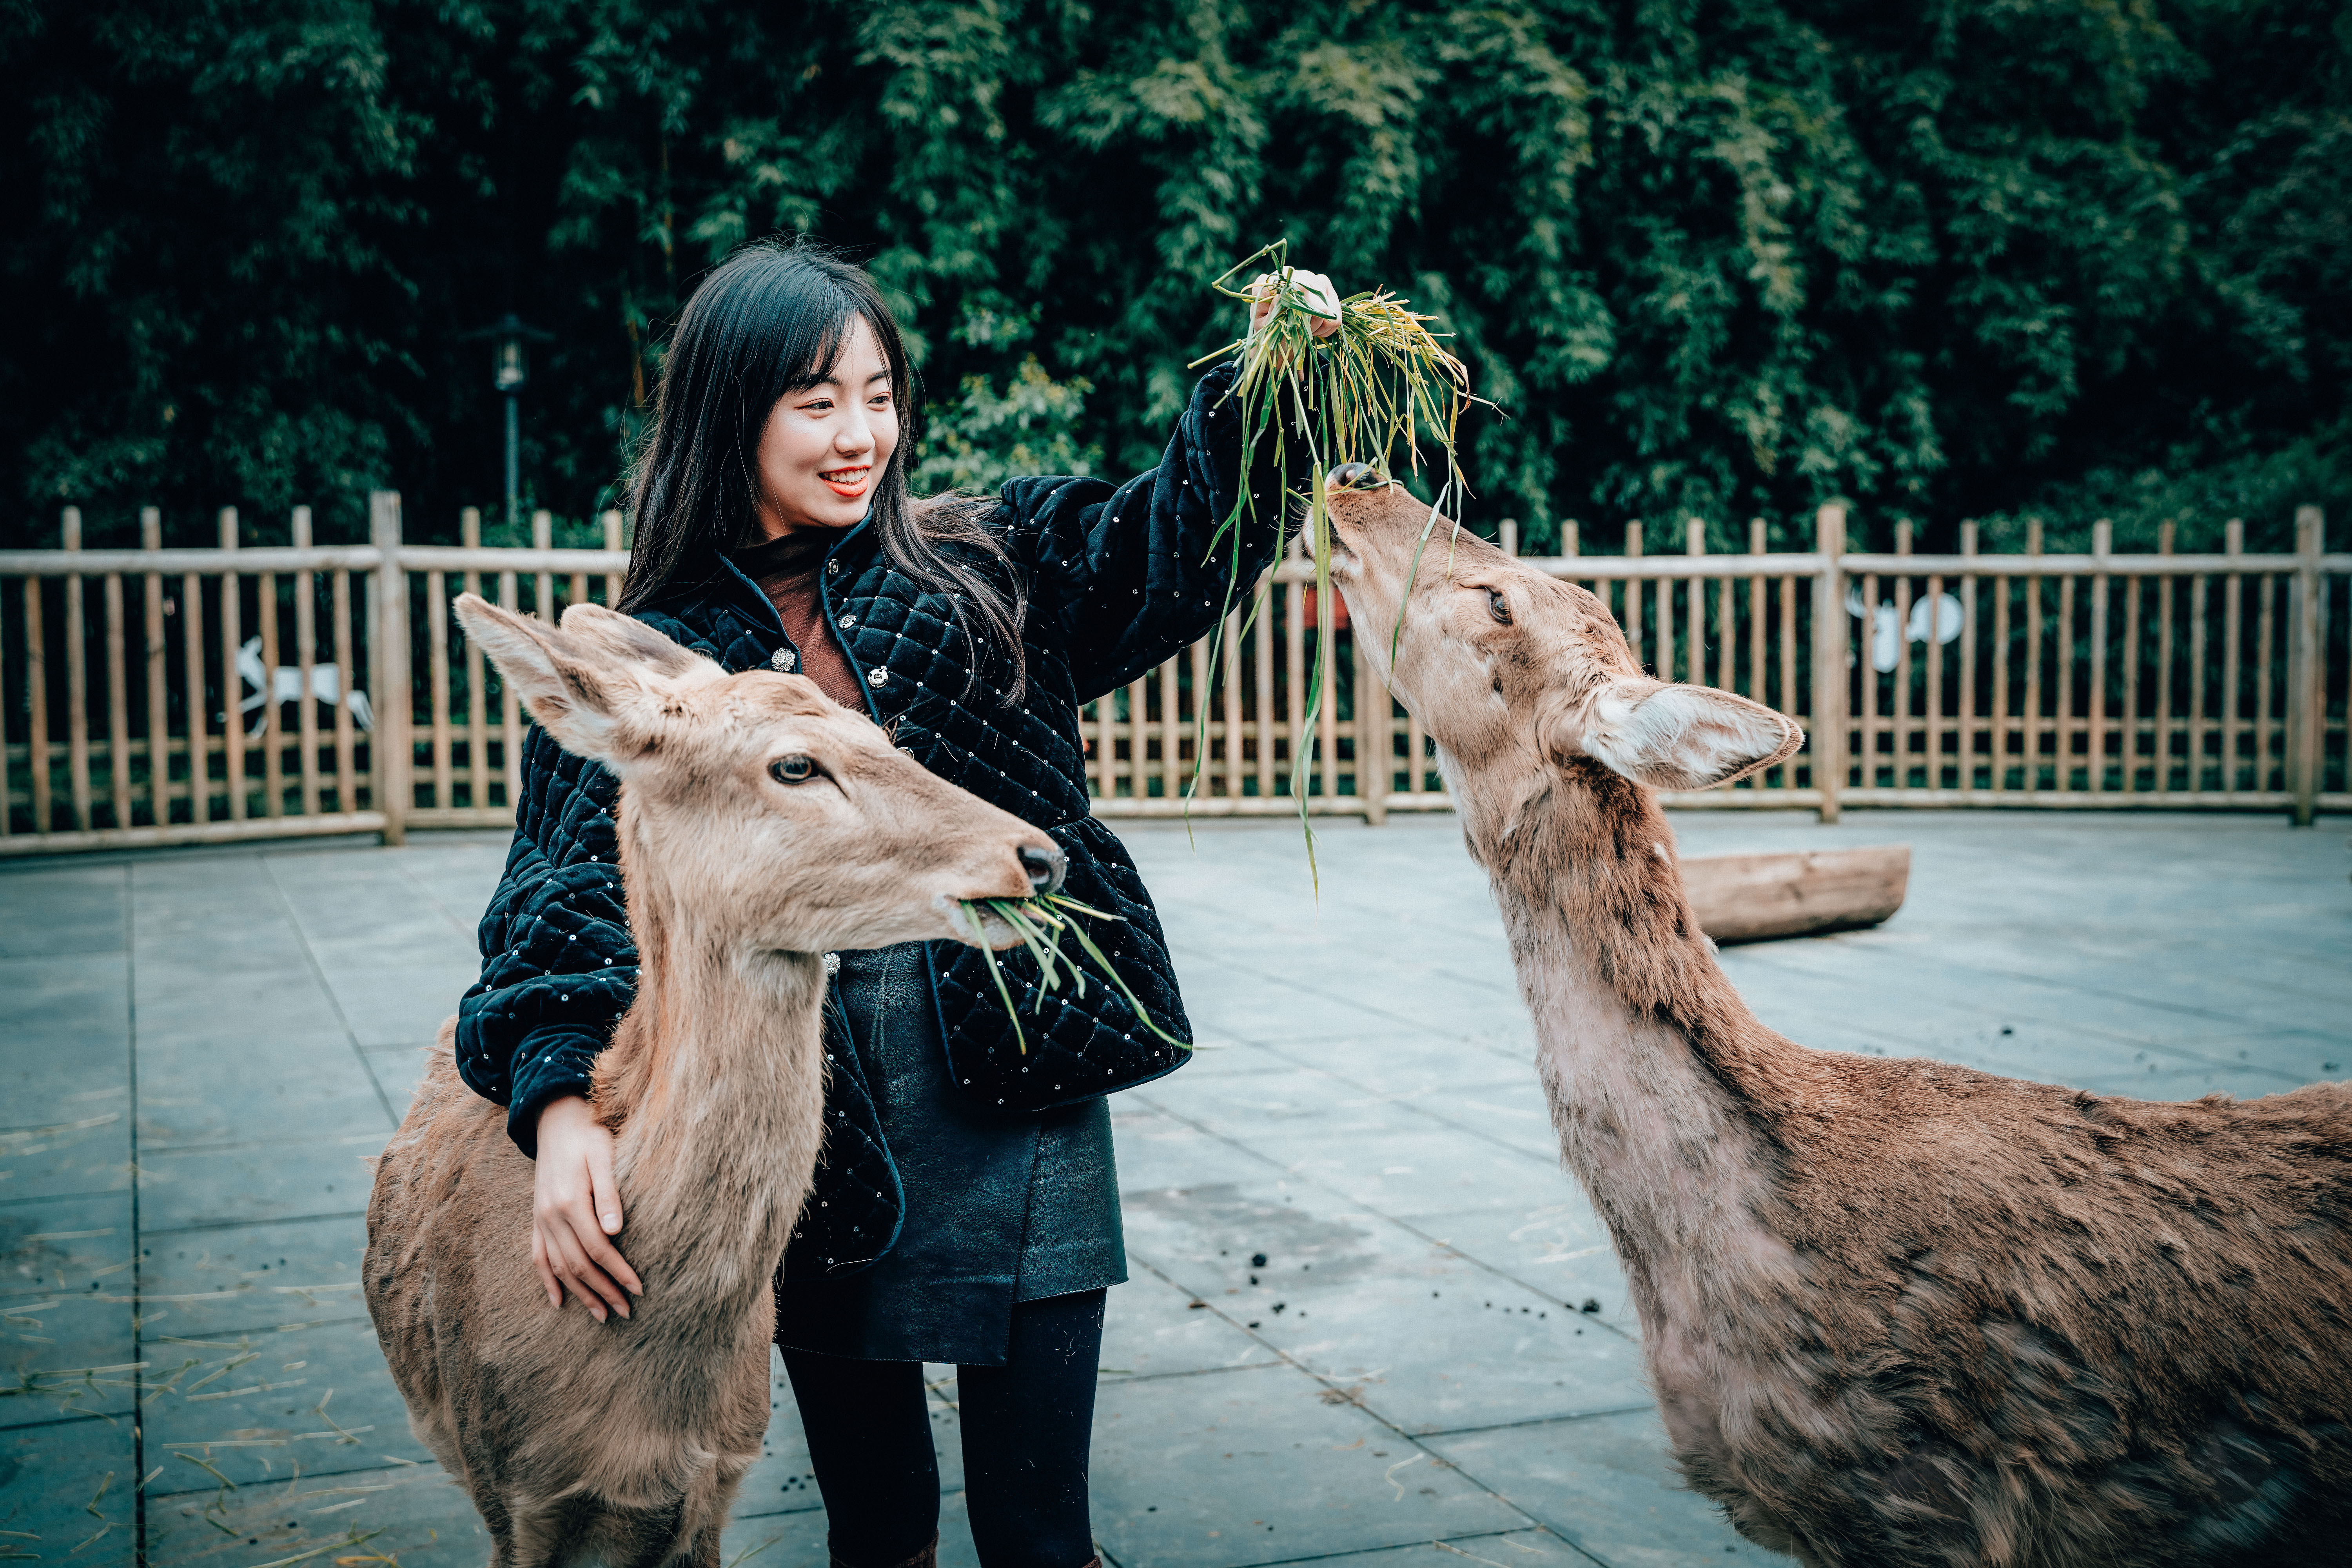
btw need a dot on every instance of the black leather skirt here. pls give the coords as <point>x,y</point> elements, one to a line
<point>1000,1209</point>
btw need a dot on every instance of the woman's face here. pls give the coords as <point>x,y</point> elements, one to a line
<point>825,445</point>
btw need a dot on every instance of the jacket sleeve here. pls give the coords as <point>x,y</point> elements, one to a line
<point>558,966</point>
<point>1126,574</point>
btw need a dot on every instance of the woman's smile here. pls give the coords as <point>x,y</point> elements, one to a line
<point>848,482</point>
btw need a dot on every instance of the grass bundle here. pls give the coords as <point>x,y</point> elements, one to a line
<point>1041,923</point>
<point>1380,381</point>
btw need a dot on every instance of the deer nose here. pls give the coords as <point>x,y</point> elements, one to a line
<point>1354,477</point>
<point>1045,868</point>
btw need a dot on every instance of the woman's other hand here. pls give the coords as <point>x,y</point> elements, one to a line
<point>575,1206</point>
<point>1321,298</point>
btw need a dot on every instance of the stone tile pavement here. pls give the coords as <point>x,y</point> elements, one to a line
<point>1370,1322</point>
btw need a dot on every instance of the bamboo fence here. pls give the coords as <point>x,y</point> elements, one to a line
<point>157,696</point>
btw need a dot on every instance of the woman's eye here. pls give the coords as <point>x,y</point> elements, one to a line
<point>792,770</point>
<point>1499,606</point>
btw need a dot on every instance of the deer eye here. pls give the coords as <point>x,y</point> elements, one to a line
<point>1499,606</point>
<point>792,770</point>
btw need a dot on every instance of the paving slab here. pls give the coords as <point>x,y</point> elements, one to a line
<point>253,1404</point>
<point>1265,1467</point>
<point>281,1178</point>
<point>236,1279</point>
<point>66,1491</point>
<point>66,1309</point>
<point>1605,1485</point>
<point>1157,1331</point>
<point>1503,1548</point>
<point>414,1514</point>
<point>1421,1334</point>
<point>64,911</point>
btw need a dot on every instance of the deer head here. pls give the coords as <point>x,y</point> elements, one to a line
<point>1510,668</point>
<point>785,820</point>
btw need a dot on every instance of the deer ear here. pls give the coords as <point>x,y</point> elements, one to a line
<point>596,683</point>
<point>1671,736</point>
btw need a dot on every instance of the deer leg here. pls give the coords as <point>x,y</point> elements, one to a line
<point>708,1504</point>
<point>637,1536</point>
<point>541,1531</point>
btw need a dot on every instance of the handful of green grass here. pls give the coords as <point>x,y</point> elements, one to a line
<point>1380,380</point>
<point>1041,924</point>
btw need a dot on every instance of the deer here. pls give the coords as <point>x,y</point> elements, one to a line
<point>1895,1313</point>
<point>761,827</point>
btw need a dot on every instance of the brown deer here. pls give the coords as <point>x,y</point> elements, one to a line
<point>1895,1312</point>
<point>760,826</point>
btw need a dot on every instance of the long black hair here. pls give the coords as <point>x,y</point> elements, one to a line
<point>771,320</point>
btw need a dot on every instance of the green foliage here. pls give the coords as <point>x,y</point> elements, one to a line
<point>1966,259</point>
<point>983,440</point>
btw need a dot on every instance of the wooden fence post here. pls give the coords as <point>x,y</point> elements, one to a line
<point>613,581</point>
<point>388,659</point>
<point>159,728</point>
<point>2306,719</point>
<point>1830,677</point>
<point>76,680</point>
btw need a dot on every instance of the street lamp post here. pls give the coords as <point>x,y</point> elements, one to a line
<point>509,372</point>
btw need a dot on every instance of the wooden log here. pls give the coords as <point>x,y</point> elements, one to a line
<point>1752,897</point>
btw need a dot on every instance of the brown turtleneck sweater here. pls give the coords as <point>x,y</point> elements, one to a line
<point>787,569</point>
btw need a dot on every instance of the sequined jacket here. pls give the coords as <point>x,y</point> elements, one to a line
<point>1119,577</point>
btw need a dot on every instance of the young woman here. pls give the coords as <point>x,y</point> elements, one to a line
<point>967,1208</point>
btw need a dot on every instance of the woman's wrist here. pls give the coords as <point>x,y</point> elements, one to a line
<point>561,1113</point>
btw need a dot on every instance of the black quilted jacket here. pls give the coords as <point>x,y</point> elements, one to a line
<point>1119,578</point>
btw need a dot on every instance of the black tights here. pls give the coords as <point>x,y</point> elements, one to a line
<point>1026,1424</point>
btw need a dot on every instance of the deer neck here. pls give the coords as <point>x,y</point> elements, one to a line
<point>1671,1099</point>
<point>715,1086</point>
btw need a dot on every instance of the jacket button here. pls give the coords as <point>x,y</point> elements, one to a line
<point>833,568</point>
<point>848,621</point>
<point>783,660</point>
<point>879,675</point>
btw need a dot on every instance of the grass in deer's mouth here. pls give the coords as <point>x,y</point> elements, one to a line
<point>1381,379</point>
<point>1041,924</point>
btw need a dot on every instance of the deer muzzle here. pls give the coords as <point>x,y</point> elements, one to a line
<point>1046,867</point>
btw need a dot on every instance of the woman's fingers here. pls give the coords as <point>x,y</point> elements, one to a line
<point>607,1270</point>
<point>546,1275</point>
<point>580,1274</point>
<point>1322,300</point>
<point>606,1195</point>
<point>594,1262</point>
<point>1261,300</point>
<point>576,1273</point>
<point>607,1199</point>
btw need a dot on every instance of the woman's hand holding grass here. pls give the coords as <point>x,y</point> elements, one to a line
<point>575,1206</point>
<point>1321,297</point>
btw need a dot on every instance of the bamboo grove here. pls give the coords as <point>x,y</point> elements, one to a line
<point>1723,260</point>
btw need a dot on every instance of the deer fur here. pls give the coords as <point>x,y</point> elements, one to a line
<point>1895,1312</point>
<point>624,1442</point>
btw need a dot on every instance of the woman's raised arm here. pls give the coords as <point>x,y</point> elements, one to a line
<point>1128,575</point>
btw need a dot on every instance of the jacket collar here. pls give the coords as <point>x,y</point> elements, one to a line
<point>730,587</point>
